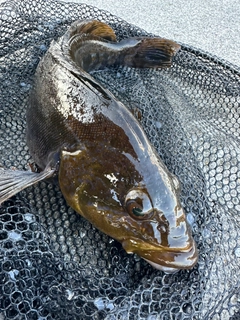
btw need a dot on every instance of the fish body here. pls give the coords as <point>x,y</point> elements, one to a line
<point>107,169</point>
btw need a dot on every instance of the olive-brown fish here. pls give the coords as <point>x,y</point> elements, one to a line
<point>107,169</point>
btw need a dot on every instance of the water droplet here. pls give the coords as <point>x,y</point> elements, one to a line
<point>110,306</point>
<point>14,235</point>
<point>82,233</point>
<point>158,124</point>
<point>237,252</point>
<point>206,233</point>
<point>99,303</point>
<point>102,304</point>
<point>190,218</point>
<point>194,137</point>
<point>13,273</point>
<point>43,47</point>
<point>29,217</point>
<point>70,294</point>
<point>29,263</point>
<point>235,299</point>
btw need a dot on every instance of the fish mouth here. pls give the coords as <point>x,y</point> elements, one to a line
<point>166,259</point>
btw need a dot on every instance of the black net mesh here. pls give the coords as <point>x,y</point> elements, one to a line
<point>53,263</point>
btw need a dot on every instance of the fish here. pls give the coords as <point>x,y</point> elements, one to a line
<point>108,171</point>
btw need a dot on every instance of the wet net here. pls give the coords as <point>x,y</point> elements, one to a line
<point>53,263</point>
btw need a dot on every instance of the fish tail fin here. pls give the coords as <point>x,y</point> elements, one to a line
<point>13,181</point>
<point>94,28</point>
<point>150,53</point>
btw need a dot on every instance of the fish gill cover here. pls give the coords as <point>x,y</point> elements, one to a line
<point>53,263</point>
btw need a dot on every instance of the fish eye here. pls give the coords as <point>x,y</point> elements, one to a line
<point>138,204</point>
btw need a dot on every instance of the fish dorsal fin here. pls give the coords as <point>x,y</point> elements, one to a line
<point>13,181</point>
<point>93,27</point>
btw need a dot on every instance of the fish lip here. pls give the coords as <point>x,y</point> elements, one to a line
<point>134,242</point>
<point>168,270</point>
<point>169,260</point>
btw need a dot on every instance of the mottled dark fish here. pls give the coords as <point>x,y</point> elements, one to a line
<point>107,169</point>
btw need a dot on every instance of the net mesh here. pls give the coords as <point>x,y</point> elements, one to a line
<point>53,263</point>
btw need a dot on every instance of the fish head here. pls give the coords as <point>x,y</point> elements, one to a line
<point>165,240</point>
<point>141,211</point>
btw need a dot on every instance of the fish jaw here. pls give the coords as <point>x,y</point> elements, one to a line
<point>169,260</point>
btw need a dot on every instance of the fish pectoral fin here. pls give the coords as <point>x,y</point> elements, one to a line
<point>13,181</point>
